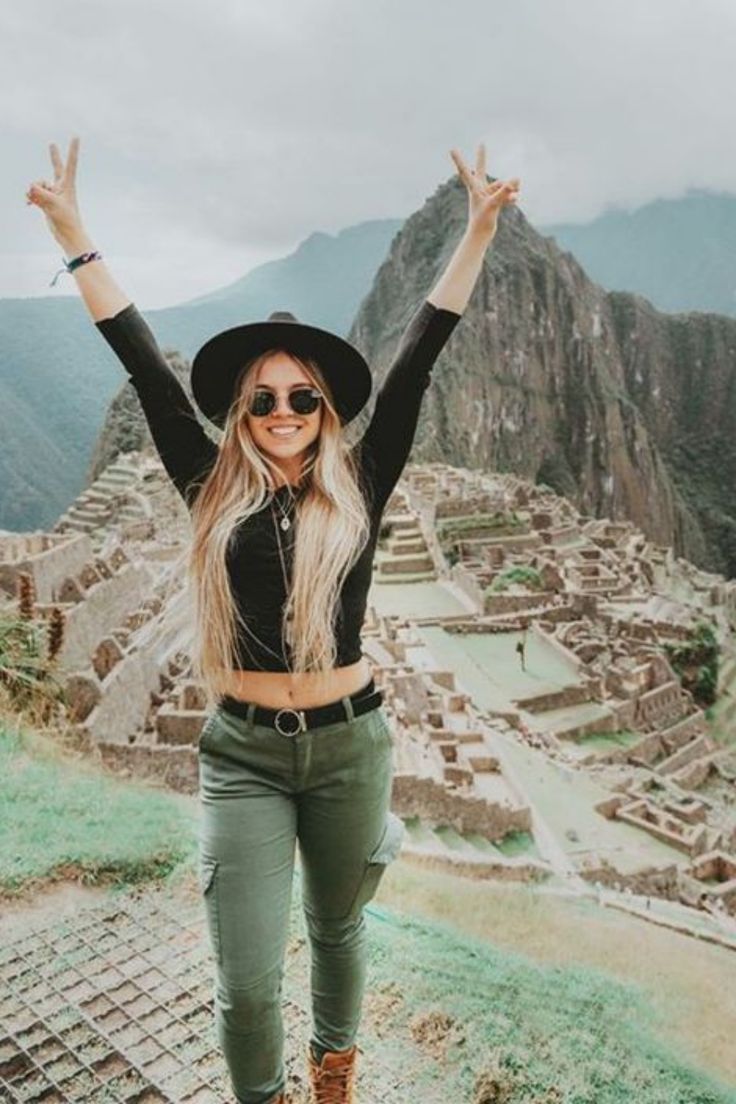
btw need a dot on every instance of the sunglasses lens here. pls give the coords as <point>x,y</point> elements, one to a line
<point>304,400</point>
<point>262,403</point>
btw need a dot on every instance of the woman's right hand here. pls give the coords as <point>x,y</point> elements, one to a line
<point>58,200</point>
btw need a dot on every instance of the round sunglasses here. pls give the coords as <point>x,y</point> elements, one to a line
<point>302,400</point>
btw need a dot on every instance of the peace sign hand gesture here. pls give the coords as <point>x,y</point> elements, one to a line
<point>58,200</point>
<point>485,199</point>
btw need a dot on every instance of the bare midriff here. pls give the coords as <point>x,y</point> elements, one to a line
<point>304,690</point>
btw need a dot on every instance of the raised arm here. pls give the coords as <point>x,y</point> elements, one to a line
<point>187,452</point>
<point>485,201</point>
<point>387,441</point>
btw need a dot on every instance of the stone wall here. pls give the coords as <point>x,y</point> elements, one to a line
<point>437,804</point>
<point>48,558</point>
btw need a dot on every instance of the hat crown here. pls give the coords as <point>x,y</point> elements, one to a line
<point>218,364</point>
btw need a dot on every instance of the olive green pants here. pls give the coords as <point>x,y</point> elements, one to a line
<point>260,792</point>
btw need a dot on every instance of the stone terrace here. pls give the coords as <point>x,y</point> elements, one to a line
<point>525,638</point>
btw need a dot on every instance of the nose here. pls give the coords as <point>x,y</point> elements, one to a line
<point>282,403</point>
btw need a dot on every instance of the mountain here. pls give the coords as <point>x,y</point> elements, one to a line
<point>322,282</point>
<point>679,253</point>
<point>58,377</point>
<point>626,410</point>
<point>55,384</point>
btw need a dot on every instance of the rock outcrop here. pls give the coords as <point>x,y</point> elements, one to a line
<point>623,409</point>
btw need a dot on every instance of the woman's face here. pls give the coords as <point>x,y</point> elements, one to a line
<point>280,374</point>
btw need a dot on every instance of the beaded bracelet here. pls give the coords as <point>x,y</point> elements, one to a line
<point>83,258</point>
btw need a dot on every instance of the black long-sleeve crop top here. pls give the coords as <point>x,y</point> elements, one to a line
<point>253,562</point>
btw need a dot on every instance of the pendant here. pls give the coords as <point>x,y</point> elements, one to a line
<point>285,524</point>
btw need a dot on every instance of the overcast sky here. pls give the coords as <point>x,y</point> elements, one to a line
<point>218,135</point>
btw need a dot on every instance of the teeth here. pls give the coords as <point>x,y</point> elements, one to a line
<point>284,432</point>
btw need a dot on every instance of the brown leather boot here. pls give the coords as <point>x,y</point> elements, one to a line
<point>332,1081</point>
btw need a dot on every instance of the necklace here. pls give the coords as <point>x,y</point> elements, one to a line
<point>287,630</point>
<point>285,522</point>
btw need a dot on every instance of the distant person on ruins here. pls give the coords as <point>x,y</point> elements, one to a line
<point>521,644</point>
<point>285,518</point>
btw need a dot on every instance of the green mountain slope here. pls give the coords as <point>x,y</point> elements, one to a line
<point>679,253</point>
<point>57,375</point>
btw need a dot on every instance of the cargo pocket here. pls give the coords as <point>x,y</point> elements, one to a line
<point>205,731</point>
<point>208,886</point>
<point>386,728</point>
<point>387,848</point>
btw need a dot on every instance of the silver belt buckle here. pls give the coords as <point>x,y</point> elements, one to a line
<point>301,721</point>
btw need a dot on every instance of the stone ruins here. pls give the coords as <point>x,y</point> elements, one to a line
<point>540,730</point>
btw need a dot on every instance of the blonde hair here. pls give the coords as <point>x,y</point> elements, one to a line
<point>332,528</point>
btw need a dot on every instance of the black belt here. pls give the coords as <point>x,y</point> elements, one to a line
<point>289,722</point>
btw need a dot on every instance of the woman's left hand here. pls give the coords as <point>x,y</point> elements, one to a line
<point>485,199</point>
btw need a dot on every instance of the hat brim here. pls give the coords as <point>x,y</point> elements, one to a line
<point>216,366</point>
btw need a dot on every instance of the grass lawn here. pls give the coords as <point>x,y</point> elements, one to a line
<point>459,967</point>
<point>63,817</point>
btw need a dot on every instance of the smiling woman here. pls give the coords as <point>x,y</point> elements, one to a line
<point>286,404</point>
<point>298,747</point>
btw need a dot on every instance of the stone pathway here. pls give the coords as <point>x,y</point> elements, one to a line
<point>114,1004</point>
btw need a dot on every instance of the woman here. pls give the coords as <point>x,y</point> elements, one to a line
<point>285,519</point>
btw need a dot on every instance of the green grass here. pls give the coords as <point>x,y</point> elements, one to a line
<point>60,817</point>
<point>454,527</point>
<point>516,843</point>
<point>622,738</point>
<point>525,1030</point>
<point>543,1034</point>
<point>521,574</point>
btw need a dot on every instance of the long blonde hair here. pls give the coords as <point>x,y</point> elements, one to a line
<point>332,528</point>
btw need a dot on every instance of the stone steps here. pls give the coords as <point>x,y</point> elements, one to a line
<point>77,518</point>
<point>118,470</point>
<point>100,497</point>
<point>130,511</point>
<point>400,522</point>
<point>94,507</point>
<point>448,841</point>
<point>409,577</point>
<point>410,546</point>
<point>406,564</point>
<point>85,513</point>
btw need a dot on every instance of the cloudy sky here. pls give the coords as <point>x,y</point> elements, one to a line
<point>218,135</point>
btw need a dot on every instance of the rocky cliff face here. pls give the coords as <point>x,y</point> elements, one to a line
<point>124,428</point>
<point>680,371</point>
<point>623,409</point>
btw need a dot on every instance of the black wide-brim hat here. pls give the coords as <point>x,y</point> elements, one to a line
<point>216,366</point>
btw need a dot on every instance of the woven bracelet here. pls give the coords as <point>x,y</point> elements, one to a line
<point>83,258</point>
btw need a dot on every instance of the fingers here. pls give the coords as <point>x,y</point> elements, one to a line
<point>504,192</point>
<point>493,190</point>
<point>480,162</point>
<point>463,170</point>
<point>500,192</point>
<point>40,193</point>
<point>513,187</point>
<point>71,162</point>
<point>56,161</point>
